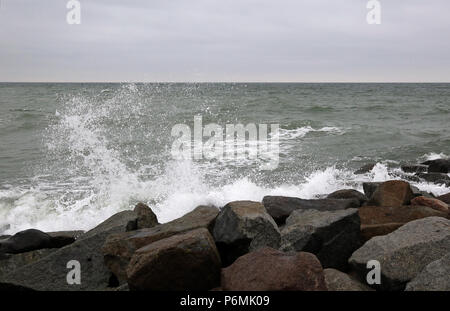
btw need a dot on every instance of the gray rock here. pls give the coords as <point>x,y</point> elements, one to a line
<point>404,253</point>
<point>243,226</point>
<point>414,168</point>
<point>437,178</point>
<point>50,272</point>
<point>340,281</point>
<point>438,166</point>
<point>331,235</point>
<point>434,277</point>
<point>370,188</point>
<point>11,262</point>
<point>348,194</point>
<point>25,241</point>
<point>365,168</point>
<point>145,217</point>
<point>119,248</point>
<point>281,207</point>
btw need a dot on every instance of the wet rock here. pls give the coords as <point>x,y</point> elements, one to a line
<point>331,235</point>
<point>11,262</point>
<point>404,253</point>
<point>348,194</point>
<point>445,198</point>
<point>365,168</point>
<point>119,248</point>
<point>438,166</point>
<point>27,240</point>
<point>281,207</point>
<point>370,187</point>
<point>414,168</point>
<point>436,178</point>
<point>340,281</point>
<point>50,272</point>
<point>433,203</point>
<point>188,261</point>
<point>434,277</point>
<point>392,193</point>
<point>382,220</point>
<point>243,226</point>
<point>419,193</point>
<point>145,216</point>
<point>267,269</point>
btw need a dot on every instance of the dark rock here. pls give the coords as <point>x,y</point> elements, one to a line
<point>419,193</point>
<point>370,187</point>
<point>331,235</point>
<point>188,261</point>
<point>50,272</point>
<point>348,194</point>
<point>243,226</point>
<point>414,168</point>
<point>438,166</point>
<point>445,198</point>
<point>434,277</point>
<point>11,262</point>
<point>281,207</point>
<point>267,269</point>
<point>433,203</point>
<point>26,241</point>
<point>119,248</point>
<point>381,220</point>
<point>404,253</point>
<point>339,281</point>
<point>4,237</point>
<point>436,178</point>
<point>392,193</point>
<point>365,168</point>
<point>145,217</point>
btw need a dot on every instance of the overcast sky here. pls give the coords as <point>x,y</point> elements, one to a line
<point>226,40</point>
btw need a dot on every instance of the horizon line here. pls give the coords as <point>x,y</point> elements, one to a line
<point>230,82</point>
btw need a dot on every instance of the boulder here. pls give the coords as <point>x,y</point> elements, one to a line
<point>404,253</point>
<point>331,235</point>
<point>436,178</point>
<point>119,248</point>
<point>340,281</point>
<point>281,207</point>
<point>419,193</point>
<point>188,261</point>
<point>414,168</point>
<point>365,168</point>
<point>381,220</point>
<point>434,277</point>
<point>267,269</point>
<point>348,194</point>
<point>370,187</point>
<point>392,193</point>
<point>145,217</point>
<point>430,202</point>
<point>445,198</point>
<point>244,226</point>
<point>50,272</point>
<point>438,166</point>
<point>11,262</point>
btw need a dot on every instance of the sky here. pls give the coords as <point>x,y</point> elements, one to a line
<point>229,41</point>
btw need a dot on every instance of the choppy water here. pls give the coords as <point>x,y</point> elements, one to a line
<point>71,155</point>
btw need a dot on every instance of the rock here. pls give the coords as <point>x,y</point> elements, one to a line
<point>348,194</point>
<point>438,166</point>
<point>392,193</point>
<point>370,187</point>
<point>267,269</point>
<point>11,262</point>
<point>419,193</point>
<point>26,241</point>
<point>244,226</point>
<point>404,253</point>
<point>119,248</point>
<point>433,203</point>
<point>281,207</point>
<point>50,272</point>
<point>63,238</point>
<point>366,168</point>
<point>414,168</point>
<point>4,237</point>
<point>331,235</point>
<point>339,281</point>
<point>445,198</point>
<point>188,261</point>
<point>434,277</point>
<point>436,178</point>
<point>381,220</point>
<point>145,217</point>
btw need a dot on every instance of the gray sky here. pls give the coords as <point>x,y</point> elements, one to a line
<point>226,40</point>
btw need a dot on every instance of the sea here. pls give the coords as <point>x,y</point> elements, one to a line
<point>73,154</point>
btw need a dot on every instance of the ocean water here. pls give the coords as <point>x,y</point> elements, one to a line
<point>72,155</point>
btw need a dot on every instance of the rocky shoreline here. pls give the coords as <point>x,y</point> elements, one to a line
<point>281,243</point>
